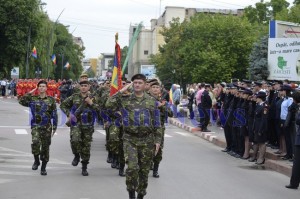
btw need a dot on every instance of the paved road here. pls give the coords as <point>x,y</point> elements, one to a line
<point>191,169</point>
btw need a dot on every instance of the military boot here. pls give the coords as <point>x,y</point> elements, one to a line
<point>76,159</point>
<point>131,194</point>
<point>121,170</point>
<point>43,168</point>
<point>84,169</point>
<point>109,157</point>
<point>155,170</point>
<point>36,163</point>
<point>139,196</point>
<point>114,161</point>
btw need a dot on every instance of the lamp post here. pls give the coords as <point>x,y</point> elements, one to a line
<point>50,38</point>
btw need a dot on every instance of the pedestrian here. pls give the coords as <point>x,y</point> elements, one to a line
<point>81,110</point>
<point>295,177</point>
<point>206,105</point>
<point>43,110</point>
<point>191,97</point>
<point>3,87</point>
<point>142,133</point>
<point>176,99</point>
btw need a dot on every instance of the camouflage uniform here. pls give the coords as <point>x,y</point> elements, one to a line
<point>165,112</point>
<point>81,134</point>
<point>142,129</point>
<point>43,110</point>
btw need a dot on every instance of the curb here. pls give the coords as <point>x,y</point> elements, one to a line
<point>272,160</point>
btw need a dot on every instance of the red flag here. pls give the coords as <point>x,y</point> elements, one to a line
<point>116,79</point>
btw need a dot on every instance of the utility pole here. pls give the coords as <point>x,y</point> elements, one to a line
<point>28,48</point>
<point>49,46</point>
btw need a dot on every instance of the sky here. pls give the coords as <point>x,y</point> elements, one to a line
<point>97,21</point>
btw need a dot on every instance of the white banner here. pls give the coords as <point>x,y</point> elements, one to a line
<point>284,59</point>
<point>14,73</point>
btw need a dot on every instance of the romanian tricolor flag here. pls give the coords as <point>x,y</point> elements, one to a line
<point>116,79</point>
<point>34,52</point>
<point>53,59</point>
<point>171,95</point>
<point>67,66</point>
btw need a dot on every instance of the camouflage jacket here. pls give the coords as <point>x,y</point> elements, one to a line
<point>43,110</point>
<point>165,110</point>
<point>102,96</point>
<point>140,117</point>
<point>86,116</point>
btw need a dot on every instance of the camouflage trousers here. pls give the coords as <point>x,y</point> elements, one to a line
<point>81,139</point>
<point>115,143</point>
<point>138,154</point>
<point>158,158</point>
<point>41,141</point>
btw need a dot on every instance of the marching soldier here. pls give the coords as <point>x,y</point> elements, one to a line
<point>81,109</point>
<point>164,113</point>
<point>142,133</point>
<point>43,110</point>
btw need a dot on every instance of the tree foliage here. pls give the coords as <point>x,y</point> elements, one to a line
<point>21,18</point>
<point>258,60</point>
<point>209,48</point>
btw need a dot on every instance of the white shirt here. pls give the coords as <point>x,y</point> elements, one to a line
<point>3,83</point>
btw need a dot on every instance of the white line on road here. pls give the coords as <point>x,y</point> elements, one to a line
<point>17,173</point>
<point>183,134</point>
<point>15,155</point>
<point>21,131</point>
<point>168,136</point>
<point>102,132</point>
<point>27,111</point>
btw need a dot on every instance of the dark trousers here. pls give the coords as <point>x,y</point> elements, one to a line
<point>192,115</point>
<point>234,136</point>
<point>295,178</point>
<point>288,141</point>
<point>272,135</point>
<point>204,117</point>
<point>241,142</point>
<point>228,138</point>
<point>3,90</point>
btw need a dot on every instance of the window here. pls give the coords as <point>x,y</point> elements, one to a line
<point>145,52</point>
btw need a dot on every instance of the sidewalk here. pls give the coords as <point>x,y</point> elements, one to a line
<point>216,136</point>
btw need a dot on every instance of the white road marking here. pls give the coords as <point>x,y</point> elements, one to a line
<point>183,134</point>
<point>27,111</point>
<point>102,132</point>
<point>18,173</point>
<point>5,180</point>
<point>168,136</point>
<point>21,131</point>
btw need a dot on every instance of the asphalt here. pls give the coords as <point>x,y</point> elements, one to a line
<point>216,137</point>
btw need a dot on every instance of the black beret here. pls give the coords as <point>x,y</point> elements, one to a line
<point>42,82</point>
<point>247,91</point>
<point>138,76</point>
<point>257,83</point>
<point>84,82</point>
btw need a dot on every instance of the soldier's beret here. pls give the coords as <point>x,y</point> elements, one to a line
<point>138,76</point>
<point>257,83</point>
<point>154,83</point>
<point>247,91</point>
<point>84,82</point>
<point>83,75</point>
<point>41,82</point>
<point>278,81</point>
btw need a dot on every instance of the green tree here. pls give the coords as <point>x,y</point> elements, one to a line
<point>16,18</point>
<point>258,60</point>
<point>258,14</point>
<point>278,6</point>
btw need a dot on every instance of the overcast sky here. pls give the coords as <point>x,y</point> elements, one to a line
<point>97,21</point>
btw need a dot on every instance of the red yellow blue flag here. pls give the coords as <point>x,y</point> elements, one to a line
<point>116,79</point>
<point>53,59</point>
<point>34,52</point>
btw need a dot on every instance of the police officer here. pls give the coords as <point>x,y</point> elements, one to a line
<point>81,110</point>
<point>43,110</point>
<point>142,133</point>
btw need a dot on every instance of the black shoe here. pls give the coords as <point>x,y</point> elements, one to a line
<point>36,163</point>
<point>131,194</point>
<point>252,159</point>
<point>84,169</point>
<point>286,157</point>
<point>76,160</point>
<point>225,150</point>
<point>206,130</point>
<point>237,156</point>
<point>139,196</point>
<point>291,187</point>
<point>114,161</point>
<point>155,170</point>
<point>43,168</point>
<point>109,158</point>
<point>245,158</point>
<point>121,172</point>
